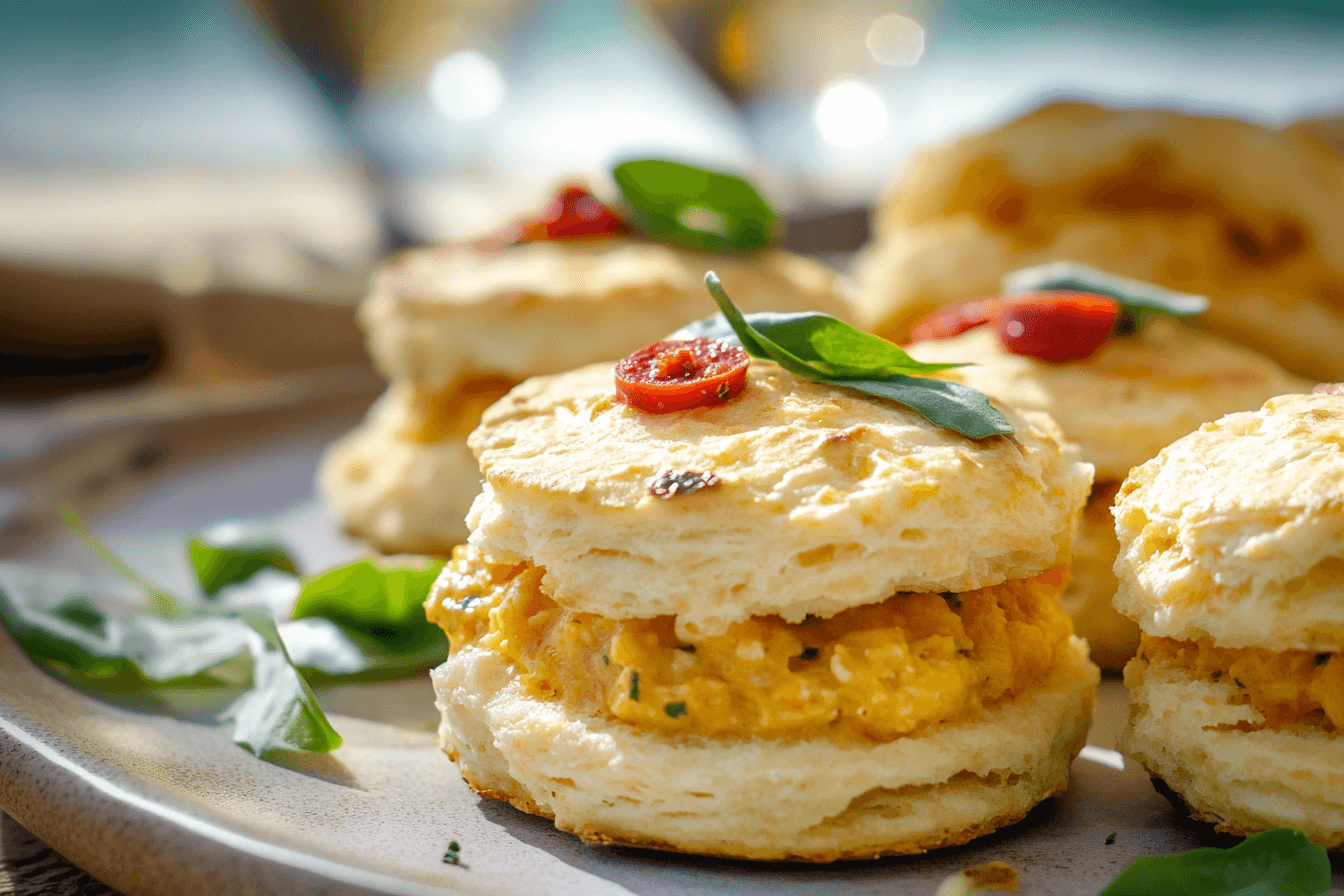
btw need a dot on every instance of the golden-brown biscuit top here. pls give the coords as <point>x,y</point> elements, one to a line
<point>436,315</point>
<point>1237,530</point>
<point>826,499</point>
<point>1130,399</point>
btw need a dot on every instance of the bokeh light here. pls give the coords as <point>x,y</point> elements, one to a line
<point>849,113</point>
<point>895,40</point>
<point>467,86</point>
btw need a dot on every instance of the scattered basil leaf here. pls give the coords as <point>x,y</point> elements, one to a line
<point>707,210</point>
<point>1277,862</point>
<point>1140,300</point>
<point>53,618</point>
<point>280,712</point>
<point>162,601</point>
<point>219,565</point>
<point>831,351</point>
<point>381,611</point>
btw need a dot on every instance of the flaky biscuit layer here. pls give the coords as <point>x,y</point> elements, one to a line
<point>1237,530</point>
<point>437,315</point>
<point>810,799</point>
<point>826,499</point>
<point>1133,397</point>
<point>1187,732</point>
<point>1242,213</point>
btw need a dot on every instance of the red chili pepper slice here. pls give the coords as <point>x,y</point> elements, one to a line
<point>679,374</point>
<point>573,214</point>
<point>1056,326</point>
<point>956,319</point>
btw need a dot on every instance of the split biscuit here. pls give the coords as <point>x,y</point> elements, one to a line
<point>1244,214</point>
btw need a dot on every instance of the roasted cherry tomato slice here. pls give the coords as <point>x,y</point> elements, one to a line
<point>679,374</point>
<point>956,319</point>
<point>573,214</point>
<point>1056,326</point>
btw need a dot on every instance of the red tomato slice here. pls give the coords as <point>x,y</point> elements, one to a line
<point>956,319</point>
<point>680,374</point>
<point>1056,326</point>
<point>573,214</point>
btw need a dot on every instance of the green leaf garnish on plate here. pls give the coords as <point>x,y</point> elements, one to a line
<point>1277,862</point>
<point>229,557</point>
<point>693,207</point>
<point>831,351</point>
<point>220,654</point>
<point>280,712</point>
<point>1140,300</point>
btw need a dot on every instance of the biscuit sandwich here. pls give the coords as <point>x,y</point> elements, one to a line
<point>454,327</point>
<point>788,621</point>
<point>1232,562</point>
<point>1138,389</point>
<point>1245,214</point>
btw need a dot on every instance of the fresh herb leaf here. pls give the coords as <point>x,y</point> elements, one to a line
<point>1277,862</point>
<point>831,351</point>
<point>454,854</point>
<point>229,556</point>
<point>280,711</point>
<point>1139,299</point>
<point>675,710</point>
<point>379,610</point>
<point>634,686</point>
<point>1110,838</point>
<point>162,601</point>
<point>707,210</point>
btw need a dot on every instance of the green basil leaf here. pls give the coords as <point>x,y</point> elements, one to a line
<point>378,609</point>
<point>1277,862</point>
<point>280,712</point>
<point>1139,299</point>
<point>162,601</point>
<point>54,619</point>
<point>831,351</point>
<point>228,557</point>
<point>707,210</point>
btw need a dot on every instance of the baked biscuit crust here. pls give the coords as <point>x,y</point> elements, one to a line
<point>614,783</point>
<point>1242,213</point>
<point>1236,532</point>
<point>1189,732</point>
<point>1129,400</point>
<point>437,315</point>
<point>826,500</point>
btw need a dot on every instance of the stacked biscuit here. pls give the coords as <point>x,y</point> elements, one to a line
<point>1244,214</point>
<point>1122,405</point>
<point>1232,562</point>
<point>804,624</point>
<point>455,327</point>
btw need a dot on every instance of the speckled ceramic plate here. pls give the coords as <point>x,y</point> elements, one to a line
<point>154,805</point>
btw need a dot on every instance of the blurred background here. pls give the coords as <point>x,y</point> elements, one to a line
<point>193,192</point>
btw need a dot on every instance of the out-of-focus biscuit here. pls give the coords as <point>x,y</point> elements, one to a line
<point>825,500</point>
<point>437,315</point>
<point>611,782</point>
<point>1237,530</point>
<point>1130,399</point>
<point>1244,214</point>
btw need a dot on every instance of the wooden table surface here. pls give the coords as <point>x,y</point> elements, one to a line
<point>28,867</point>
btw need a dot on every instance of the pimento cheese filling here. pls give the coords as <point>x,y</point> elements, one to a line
<point>875,672</point>
<point>452,412</point>
<point>1287,687</point>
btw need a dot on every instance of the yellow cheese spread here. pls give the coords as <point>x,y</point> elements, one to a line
<point>875,672</point>
<point>451,412</point>
<point>1289,687</point>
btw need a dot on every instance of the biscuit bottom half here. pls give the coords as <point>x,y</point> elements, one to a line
<point>870,673</point>
<point>814,799</point>
<point>1249,739</point>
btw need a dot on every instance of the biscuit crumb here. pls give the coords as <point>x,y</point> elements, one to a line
<point>998,876</point>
